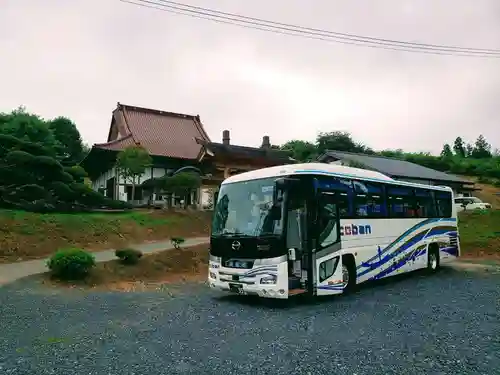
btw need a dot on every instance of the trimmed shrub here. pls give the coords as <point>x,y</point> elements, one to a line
<point>177,242</point>
<point>77,172</point>
<point>116,204</point>
<point>128,255</point>
<point>71,264</point>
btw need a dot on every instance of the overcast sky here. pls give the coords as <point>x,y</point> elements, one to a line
<point>78,58</point>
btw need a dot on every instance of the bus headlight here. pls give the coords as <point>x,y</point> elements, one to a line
<point>213,275</point>
<point>269,280</point>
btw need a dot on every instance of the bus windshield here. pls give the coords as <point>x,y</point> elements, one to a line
<point>243,209</point>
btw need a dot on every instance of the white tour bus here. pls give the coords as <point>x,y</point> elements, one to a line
<point>343,226</point>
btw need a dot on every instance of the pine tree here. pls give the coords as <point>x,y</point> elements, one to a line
<point>481,149</point>
<point>446,152</point>
<point>458,147</point>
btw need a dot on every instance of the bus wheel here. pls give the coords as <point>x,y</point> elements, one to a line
<point>348,273</point>
<point>433,258</point>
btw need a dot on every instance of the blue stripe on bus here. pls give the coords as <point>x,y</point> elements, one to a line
<point>405,234</point>
<point>402,262</point>
<point>388,257</point>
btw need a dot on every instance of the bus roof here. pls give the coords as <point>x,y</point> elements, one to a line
<point>322,169</point>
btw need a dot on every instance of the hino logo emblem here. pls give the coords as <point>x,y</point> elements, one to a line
<point>236,245</point>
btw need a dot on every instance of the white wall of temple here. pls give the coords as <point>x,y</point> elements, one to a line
<point>101,181</point>
<point>204,197</point>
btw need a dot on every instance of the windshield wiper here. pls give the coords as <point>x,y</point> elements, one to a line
<point>232,234</point>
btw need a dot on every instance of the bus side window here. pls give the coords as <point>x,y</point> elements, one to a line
<point>443,202</point>
<point>344,193</point>
<point>425,204</point>
<point>344,206</point>
<point>369,200</point>
<point>401,202</point>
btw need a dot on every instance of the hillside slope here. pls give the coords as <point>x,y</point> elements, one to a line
<point>27,235</point>
<point>480,234</point>
<point>488,194</point>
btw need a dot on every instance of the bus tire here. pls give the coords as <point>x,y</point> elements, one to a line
<point>349,267</point>
<point>433,258</point>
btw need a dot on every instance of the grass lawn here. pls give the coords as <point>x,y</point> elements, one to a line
<point>169,266</point>
<point>26,235</point>
<point>480,234</point>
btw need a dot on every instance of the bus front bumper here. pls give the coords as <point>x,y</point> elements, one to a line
<point>265,291</point>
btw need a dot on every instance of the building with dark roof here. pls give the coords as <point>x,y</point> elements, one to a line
<point>232,159</point>
<point>399,170</point>
<point>173,140</point>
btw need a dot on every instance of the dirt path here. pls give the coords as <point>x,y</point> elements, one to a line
<point>13,271</point>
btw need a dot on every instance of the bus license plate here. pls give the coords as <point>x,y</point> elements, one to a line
<point>236,288</point>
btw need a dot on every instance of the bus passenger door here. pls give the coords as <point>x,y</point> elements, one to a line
<point>327,272</point>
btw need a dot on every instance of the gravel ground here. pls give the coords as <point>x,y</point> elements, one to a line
<point>442,324</point>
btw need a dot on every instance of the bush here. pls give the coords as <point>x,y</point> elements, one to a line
<point>71,264</point>
<point>116,204</point>
<point>129,256</point>
<point>177,241</point>
<point>77,172</point>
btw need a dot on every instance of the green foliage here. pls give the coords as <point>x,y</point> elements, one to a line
<point>70,145</point>
<point>132,163</point>
<point>446,153</point>
<point>301,150</point>
<point>37,171</point>
<point>357,164</point>
<point>177,242</point>
<point>340,141</point>
<point>461,159</point>
<point>181,183</point>
<point>482,149</point>
<point>77,173</point>
<point>19,158</point>
<point>71,264</point>
<point>478,228</point>
<point>128,255</point>
<point>459,147</point>
<point>28,127</point>
<point>58,138</point>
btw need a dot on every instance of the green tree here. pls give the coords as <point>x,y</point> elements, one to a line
<point>77,172</point>
<point>28,127</point>
<point>396,154</point>
<point>340,141</point>
<point>446,152</point>
<point>301,150</point>
<point>459,147</point>
<point>468,150</point>
<point>481,148</point>
<point>70,145</point>
<point>132,163</point>
<point>182,184</point>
